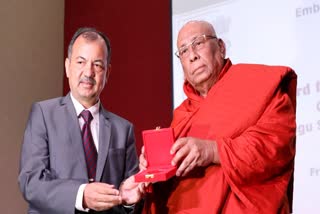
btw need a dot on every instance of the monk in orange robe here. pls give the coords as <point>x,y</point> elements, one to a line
<point>235,133</point>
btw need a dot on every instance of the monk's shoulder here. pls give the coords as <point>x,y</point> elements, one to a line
<point>261,69</point>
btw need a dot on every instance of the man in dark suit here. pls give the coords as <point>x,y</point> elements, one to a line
<point>58,174</point>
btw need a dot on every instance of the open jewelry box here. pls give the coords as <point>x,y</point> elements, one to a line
<point>157,144</point>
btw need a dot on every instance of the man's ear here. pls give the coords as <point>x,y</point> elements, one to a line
<point>66,66</point>
<point>108,71</point>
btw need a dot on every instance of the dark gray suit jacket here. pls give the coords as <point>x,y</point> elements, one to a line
<point>53,166</point>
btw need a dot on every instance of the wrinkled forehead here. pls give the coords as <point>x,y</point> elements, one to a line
<point>193,29</point>
<point>83,43</point>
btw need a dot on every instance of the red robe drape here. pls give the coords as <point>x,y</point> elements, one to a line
<point>250,113</point>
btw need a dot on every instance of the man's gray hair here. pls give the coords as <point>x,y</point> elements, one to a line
<point>90,34</point>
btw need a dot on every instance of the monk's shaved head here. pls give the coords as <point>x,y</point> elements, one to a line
<point>201,53</point>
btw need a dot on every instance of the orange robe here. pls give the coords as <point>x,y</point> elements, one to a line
<point>250,113</point>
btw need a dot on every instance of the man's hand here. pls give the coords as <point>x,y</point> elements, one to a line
<point>143,164</point>
<point>131,192</point>
<point>193,152</point>
<point>100,196</point>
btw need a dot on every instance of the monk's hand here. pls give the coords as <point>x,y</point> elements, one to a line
<point>100,196</point>
<point>142,160</point>
<point>131,192</point>
<point>192,152</point>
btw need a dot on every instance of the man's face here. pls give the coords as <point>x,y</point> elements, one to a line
<point>202,64</point>
<point>87,70</point>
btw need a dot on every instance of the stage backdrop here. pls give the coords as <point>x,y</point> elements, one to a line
<point>140,83</point>
<point>271,32</point>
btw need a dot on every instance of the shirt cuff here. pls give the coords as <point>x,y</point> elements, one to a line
<point>129,206</point>
<point>79,199</point>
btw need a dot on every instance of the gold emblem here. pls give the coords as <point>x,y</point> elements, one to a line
<point>149,176</point>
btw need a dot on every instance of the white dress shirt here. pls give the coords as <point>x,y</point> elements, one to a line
<point>94,126</point>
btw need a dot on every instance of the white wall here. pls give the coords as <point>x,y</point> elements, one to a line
<point>31,69</point>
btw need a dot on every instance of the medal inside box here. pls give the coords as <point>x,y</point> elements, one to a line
<point>157,144</point>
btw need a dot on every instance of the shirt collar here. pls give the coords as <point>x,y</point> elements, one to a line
<point>79,108</point>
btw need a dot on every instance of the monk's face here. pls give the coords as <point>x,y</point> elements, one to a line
<point>202,57</point>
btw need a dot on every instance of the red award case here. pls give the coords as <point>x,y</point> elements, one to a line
<point>157,145</point>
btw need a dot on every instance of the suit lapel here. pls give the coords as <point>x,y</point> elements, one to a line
<point>74,131</point>
<point>104,141</point>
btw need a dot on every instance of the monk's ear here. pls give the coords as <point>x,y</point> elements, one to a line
<point>222,48</point>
